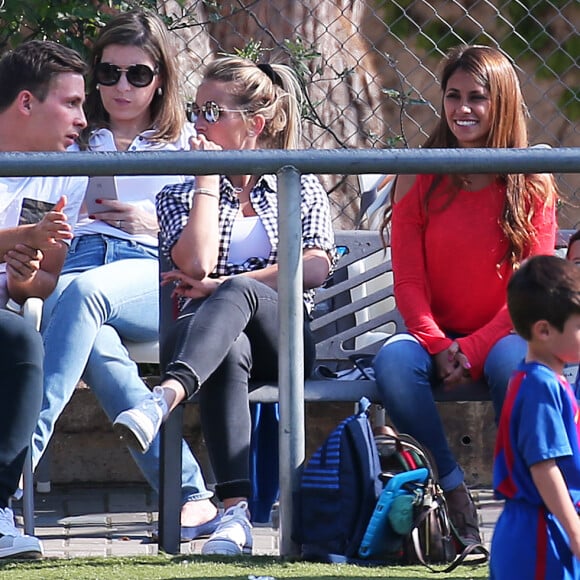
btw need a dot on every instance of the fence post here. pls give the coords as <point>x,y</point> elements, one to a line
<point>291,345</point>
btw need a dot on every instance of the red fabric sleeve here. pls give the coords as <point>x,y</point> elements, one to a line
<point>411,288</point>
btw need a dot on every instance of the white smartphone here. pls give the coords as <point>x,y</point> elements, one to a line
<point>99,187</point>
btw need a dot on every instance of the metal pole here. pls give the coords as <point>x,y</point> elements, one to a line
<point>291,346</point>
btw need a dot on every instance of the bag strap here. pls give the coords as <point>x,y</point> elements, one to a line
<point>468,549</point>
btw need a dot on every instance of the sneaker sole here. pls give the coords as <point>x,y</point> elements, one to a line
<point>129,437</point>
<point>219,547</point>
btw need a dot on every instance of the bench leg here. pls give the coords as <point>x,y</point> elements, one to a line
<point>170,483</point>
<point>28,495</point>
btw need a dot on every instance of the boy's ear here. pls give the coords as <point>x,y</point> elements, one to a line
<point>541,330</point>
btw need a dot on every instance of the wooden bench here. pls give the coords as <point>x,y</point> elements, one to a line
<point>353,316</point>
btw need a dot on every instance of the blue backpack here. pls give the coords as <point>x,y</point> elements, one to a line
<point>338,492</point>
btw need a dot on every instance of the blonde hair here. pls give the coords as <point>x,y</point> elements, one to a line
<point>147,31</point>
<point>492,69</point>
<point>271,90</point>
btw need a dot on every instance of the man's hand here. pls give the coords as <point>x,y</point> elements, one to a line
<point>52,228</point>
<point>23,262</point>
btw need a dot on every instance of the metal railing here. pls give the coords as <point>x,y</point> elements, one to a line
<point>289,165</point>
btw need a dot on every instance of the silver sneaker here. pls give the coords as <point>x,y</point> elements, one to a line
<point>139,426</point>
<point>13,544</point>
<point>233,536</point>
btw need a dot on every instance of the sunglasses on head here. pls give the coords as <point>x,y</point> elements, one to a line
<point>211,111</point>
<point>139,75</point>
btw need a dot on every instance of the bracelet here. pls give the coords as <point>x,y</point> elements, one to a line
<point>204,191</point>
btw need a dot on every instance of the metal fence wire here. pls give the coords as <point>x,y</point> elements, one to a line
<point>370,66</point>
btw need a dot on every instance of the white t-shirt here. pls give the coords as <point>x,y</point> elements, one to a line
<point>138,190</point>
<point>27,199</point>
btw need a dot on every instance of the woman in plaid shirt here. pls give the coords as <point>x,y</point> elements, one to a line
<point>221,234</point>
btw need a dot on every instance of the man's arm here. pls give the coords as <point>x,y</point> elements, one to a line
<point>34,254</point>
<point>44,235</point>
<point>32,272</point>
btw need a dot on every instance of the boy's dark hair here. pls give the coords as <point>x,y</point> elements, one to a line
<point>32,66</point>
<point>544,288</point>
<point>573,238</point>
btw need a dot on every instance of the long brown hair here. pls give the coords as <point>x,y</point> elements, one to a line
<point>492,69</point>
<point>145,30</point>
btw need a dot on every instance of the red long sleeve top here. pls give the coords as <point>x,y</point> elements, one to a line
<point>448,273</point>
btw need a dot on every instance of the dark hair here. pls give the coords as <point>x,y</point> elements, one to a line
<point>32,66</point>
<point>544,288</point>
<point>147,31</point>
<point>573,238</point>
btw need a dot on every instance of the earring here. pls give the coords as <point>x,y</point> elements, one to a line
<point>98,87</point>
<point>159,91</point>
<point>251,133</point>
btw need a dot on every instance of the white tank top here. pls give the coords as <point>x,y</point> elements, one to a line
<point>249,240</point>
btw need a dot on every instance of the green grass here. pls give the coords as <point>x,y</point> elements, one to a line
<point>199,568</point>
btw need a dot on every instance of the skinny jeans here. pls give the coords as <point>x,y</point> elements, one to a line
<point>108,291</point>
<point>217,345</point>
<point>406,377</point>
<point>21,357</point>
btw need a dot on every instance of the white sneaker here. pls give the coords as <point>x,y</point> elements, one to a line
<point>233,536</point>
<point>13,544</point>
<point>139,426</point>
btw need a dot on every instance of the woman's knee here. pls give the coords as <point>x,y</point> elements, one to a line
<point>400,354</point>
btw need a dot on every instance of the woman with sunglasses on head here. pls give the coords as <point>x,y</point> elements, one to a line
<point>221,234</point>
<point>108,290</point>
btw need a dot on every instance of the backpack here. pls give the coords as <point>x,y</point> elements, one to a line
<point>411,523</point>
<point>338,492</point>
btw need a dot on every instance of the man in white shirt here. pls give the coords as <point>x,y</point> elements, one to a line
<point>41,97</point>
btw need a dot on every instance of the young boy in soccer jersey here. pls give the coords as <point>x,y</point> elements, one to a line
<point>537,455</point>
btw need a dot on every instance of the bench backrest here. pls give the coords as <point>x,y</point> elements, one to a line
<point>356,311</point>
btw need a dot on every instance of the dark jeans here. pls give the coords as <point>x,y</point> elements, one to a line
<point>218,344</point>
<point>21,356</point>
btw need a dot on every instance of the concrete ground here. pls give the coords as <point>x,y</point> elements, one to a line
<point>119,521</point>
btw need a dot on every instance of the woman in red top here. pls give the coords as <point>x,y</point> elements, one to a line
<point>455,241</point>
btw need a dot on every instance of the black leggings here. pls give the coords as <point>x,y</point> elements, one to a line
<point>21,356</point>
<point>218,344</point>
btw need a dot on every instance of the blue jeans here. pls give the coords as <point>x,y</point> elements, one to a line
<point>108,291</point>
<point>405,375</point>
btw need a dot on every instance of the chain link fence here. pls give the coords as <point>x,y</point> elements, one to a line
<point>370,67</point>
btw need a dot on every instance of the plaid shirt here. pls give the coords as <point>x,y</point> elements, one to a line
<point>174,203</point>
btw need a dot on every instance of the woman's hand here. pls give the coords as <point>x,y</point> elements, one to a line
<point>452,366</point>
<point>127,217</point>
<point>188,287</point>
<point>200,143</point>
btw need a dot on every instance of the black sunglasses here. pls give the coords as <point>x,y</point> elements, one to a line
<point>139,75</point>
<point>211,111</point>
